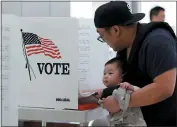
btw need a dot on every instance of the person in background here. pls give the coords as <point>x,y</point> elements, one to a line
<point>157,14</point>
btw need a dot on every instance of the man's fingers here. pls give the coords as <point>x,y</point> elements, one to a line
<point>101,101</point>
<point>130,87</point>
<point>123,85</point>
<point>126,86</point>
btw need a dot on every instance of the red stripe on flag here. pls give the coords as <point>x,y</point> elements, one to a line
<point>33,46</point>
<point>58,57</point>
<point>47,47</point>
<point>35,52</point>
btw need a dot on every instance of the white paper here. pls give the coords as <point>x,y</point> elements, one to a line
<point>87,94</point>
<point>93,56</point>
<point>5,69</point>
<point>10,81</point>
<point>84,54</point>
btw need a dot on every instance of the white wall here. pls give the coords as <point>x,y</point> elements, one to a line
<point>95,5</point>
<point>81,9</point>
<point>36,9</point>
<point>45,8</point>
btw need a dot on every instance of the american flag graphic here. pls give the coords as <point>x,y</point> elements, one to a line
<point>36,45</point>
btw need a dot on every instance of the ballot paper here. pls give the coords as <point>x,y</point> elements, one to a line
<point>87,94</point>
<point>91,51</point>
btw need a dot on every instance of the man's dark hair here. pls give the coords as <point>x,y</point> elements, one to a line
<point>118,61</point>
<point>155,11</point>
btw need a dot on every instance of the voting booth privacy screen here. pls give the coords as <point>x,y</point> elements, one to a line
<point>47,61</point>
<point>52,57</point>
<point>11,75</point>
<point>92,56</point>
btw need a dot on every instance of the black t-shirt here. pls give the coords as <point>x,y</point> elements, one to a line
<point>157,55</point>
<point>153,53</point>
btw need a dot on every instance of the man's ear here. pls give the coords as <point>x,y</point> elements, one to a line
<point>117,30</point>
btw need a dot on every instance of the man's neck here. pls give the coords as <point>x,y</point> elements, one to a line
<point>132,36</point>
<point>128,52</point>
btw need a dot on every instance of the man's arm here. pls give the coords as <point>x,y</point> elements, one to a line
<point>161,61</point>
<point>161,89</point>
<point>136,88</point>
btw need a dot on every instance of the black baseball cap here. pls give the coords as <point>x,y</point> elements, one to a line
<point>115,13</point>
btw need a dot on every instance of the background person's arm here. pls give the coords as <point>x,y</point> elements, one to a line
<point>161,62</point>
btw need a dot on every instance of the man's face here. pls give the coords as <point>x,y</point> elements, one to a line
<point>111,36</point>
<point>160,17</point>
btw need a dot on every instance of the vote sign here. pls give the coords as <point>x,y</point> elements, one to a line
<point>49,63</point>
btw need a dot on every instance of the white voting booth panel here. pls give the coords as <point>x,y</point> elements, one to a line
<point>56,82</point>
<point>54,79</point>
<point>88,71</point>
<point>11,75</point>
<point>93,55</point>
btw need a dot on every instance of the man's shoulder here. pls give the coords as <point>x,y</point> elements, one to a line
<point>159,37</point>
<point>159,32</point>
<point>156,29</point>
<point>156,41</point>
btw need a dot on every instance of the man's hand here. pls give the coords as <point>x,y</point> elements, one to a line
<point>110,104</point>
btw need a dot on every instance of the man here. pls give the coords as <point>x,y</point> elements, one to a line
<point>150,59</point>
<point>157,14</point>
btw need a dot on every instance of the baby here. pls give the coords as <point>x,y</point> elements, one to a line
<point>112,77</point>
<point>113,73</point>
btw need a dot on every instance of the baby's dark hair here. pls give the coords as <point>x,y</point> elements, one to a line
<point>118,61</point>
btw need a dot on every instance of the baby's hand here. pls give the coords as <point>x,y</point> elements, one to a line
<point>127,86</point>
<point>99,93</point>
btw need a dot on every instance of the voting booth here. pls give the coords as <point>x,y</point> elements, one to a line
<point>53,63</point>
<point>11,76</point>
<point>47,62</point>
<point>93,54</point>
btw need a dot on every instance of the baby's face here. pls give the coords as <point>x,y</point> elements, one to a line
<point>111,76</point>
